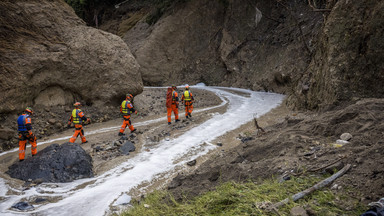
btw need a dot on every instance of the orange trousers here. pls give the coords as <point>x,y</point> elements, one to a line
<point>126,123</point>
<point>188,107</point>
<point>23,137</point>
<point>175,111</point>
<point>78,131</point>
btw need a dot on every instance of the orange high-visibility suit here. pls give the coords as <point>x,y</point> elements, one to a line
<point>77,118</point>
<point>126,109</point>
<point>25,133</point>
<point>174,107</point>
<point>188,100</point>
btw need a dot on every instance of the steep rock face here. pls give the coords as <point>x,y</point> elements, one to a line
<point>349,62</point>
<point>234,43</point>
<point>49,57</point>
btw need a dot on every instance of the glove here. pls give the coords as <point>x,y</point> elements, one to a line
<point>136,112</point>
<point>88,121</point>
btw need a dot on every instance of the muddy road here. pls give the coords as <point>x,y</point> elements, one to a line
<point>162,151</point>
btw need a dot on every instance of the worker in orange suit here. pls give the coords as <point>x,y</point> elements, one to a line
<point>174,106</point>
<point>126,109</point>
<point>25,133</point>
<point>78,118</point>
<point>187,99</point>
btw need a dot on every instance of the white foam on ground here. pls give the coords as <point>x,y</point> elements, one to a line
<point>102,190</point>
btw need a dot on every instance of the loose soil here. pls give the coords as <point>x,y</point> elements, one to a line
<point>301,142</point>
<point>293,143</point>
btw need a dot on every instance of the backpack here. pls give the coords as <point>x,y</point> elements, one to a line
<point>169,97</point>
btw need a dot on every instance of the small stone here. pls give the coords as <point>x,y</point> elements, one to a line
<point>146,206</point>
<point>191,163</point>
<point>219,144</point>
<point>334,187</point>
<point>346,136</point>
<point>359,160</point>
<point>23,206</point>
<point>298,211</point>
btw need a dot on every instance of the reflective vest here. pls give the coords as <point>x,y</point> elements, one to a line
<point>174,96</point>
<point>187,96</point>
<point>22,122</point>
<point>76,118</point>
<point>125,107</point>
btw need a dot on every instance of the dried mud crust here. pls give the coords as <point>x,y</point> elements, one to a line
<point>303,141</point>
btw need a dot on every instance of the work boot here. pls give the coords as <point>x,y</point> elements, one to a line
<point>133,130</point>
<point>177,120</point>
<point>169,123</point>
<point>186,117</point>
<point>21,160</point>
<point>189,114</point>
<point>84,142</point>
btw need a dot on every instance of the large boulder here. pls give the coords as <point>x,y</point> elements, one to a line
<point>48,56</point>
<point>56,163</point>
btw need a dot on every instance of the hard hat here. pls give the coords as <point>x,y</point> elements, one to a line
<point>129,96</point>
<point>29,110</point>
<point>187,87</point>
<point>77,104</point>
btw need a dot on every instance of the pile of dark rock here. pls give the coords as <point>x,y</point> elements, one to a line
<point>56,163</point>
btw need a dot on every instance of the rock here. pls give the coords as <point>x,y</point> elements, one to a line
<point>284,178</point>
<point>346,136</point>
<point>24,206</point>
<point>55,163</point>
<point>59,125</point>
<point>127,147</point>
<point>146,206</point>
<point>311,212</point>
<point>98,148</point>
<point>298,211</point>
<point>191,163</point>
<point>6,133</point>
<point>40,200</point>
<point>52,121</point>
<point>219,144</point>
<point>246,139</point>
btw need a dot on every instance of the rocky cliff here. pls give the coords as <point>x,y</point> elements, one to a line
<point>258,45</point>
<point>320,53</point>
<point>349,61</point>
<point>48,56</point>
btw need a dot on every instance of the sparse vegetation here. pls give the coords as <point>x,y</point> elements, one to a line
<point>247,199</point>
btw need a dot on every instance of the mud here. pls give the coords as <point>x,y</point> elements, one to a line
<point>104,146</point>
<point>295,142</point>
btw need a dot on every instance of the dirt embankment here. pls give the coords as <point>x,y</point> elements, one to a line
<point>304,142</point>
<point>49,57</point>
